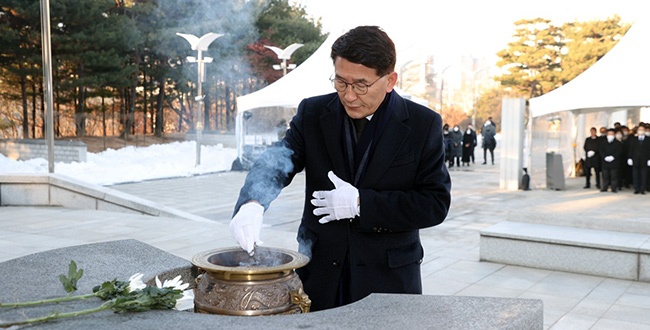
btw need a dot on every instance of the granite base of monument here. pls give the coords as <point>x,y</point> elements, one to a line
<point>36,277</point>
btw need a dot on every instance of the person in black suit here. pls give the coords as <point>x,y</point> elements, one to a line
<point>610,152</point>
<point>639,159</point>
<point>375,175</point>
<point>489,132</point>
<point>626,170</point>
<point>469,143</point>
<point>457,145</point>
<point>593,158</point>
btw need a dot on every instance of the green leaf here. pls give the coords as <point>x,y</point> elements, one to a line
<point>111,289</point>
<point>70,282</point>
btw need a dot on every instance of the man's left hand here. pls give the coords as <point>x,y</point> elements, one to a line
<point>340,203</point>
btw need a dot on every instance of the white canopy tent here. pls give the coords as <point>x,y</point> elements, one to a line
<point>278,100</point>
<point>619,80</point>
<point>611,89</point>
<point>308,79</point>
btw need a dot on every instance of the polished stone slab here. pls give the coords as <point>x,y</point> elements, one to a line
<point>580,250</point>
<point>35,276</point>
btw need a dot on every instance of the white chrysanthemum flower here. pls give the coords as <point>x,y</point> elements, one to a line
<point>175,283</point>
<point>186,302</point>
<point>136,283</point>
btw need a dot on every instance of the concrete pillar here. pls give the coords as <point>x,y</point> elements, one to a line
<point>512,142</point>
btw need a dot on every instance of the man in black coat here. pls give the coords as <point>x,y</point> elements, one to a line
<point>489,132</point>
<point>610,151</point>
<point>375,174</point>
<point>626,170</point>
<point>593,158</point>
<point>639,159</point>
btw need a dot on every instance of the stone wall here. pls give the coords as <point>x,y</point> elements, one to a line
<point>213,139</point>
<point>64,151</point>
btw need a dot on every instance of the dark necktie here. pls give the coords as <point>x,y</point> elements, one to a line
<point>360,125</point>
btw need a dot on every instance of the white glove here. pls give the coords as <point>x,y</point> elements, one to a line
<point>590,153</point>
<point>609,159</point>
<point>649,163</point>
<point>340,203</point>
<point>630,162</point>
<point>246,225</point>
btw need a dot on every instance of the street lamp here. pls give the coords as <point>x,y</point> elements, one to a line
<point>401,74</point>
<point>200,45</point>
<point>284,55</point>
<point>474,93</point>
<point>442,85</point>
<point>47,82</point>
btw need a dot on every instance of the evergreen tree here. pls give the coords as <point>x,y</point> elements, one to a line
<point>20,52</point>
<point>533,57</point>
<point>543,56</point>
<point>587,42</point>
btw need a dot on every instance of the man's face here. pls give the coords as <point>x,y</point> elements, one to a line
<point>361,106</point>
<point>593,133</point>
<point>603,131</point>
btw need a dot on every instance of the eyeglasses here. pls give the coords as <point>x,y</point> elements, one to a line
<point>358,88</point>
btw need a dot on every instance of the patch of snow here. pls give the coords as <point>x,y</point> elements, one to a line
<point>131,164</point>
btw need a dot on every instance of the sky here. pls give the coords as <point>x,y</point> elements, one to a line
<point>449,29</point>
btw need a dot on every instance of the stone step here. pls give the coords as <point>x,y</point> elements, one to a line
<point>578,250</point>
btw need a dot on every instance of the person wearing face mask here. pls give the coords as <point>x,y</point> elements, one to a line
<point>603,133</point>
<point>489,132</point>
<point>639,159</point>
<point>623,159</point>
<point>593,158</point>
<point>457,145</point>
<point>610,153</point>
<point>469,143</point>
<point>626,170</point>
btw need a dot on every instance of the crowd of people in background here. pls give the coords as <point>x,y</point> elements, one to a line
<point>460,145</point>
<point>619,158</point>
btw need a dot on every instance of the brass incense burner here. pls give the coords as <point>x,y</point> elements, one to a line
<point>234,283</point>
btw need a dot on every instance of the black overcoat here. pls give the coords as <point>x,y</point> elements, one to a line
<point>639,151</point>
<point>406,187</point>
<point>469,143</point>
<point>457,143</point>
<point>592,145</point>
<point>614,149</point>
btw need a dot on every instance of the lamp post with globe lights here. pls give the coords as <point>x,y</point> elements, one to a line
<point>200,45</point>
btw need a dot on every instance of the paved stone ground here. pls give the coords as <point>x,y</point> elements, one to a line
<point>451,267</point>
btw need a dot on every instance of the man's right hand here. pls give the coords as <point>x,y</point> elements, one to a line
<point>630,162</point>
<point>246,225</point>
<point>590,153</point>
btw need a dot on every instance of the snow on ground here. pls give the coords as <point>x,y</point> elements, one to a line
<point>131,164</point>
